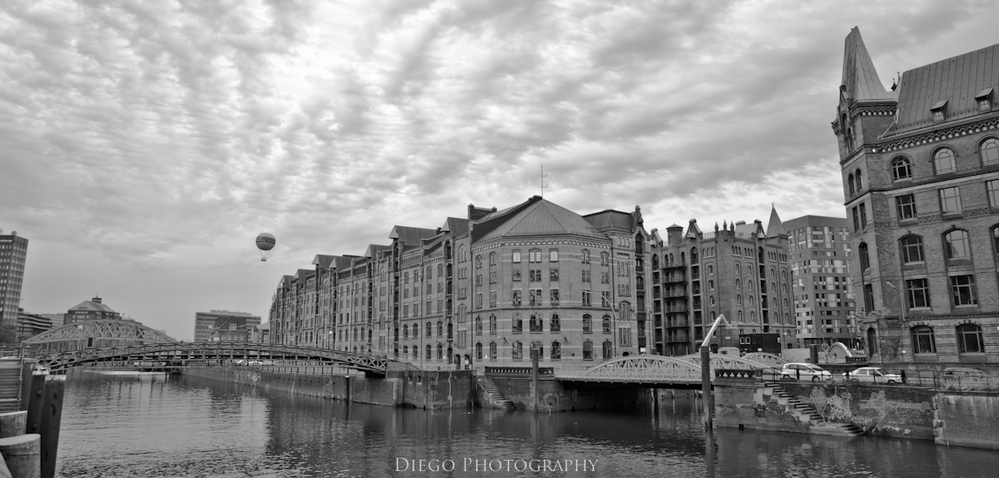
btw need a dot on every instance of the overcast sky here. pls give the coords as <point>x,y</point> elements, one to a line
<point>143,145</point>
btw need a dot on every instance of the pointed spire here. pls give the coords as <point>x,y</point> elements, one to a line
<point>775,227</point>
<point>860,79</point>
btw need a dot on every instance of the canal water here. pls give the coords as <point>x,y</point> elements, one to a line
<point>162,426</point>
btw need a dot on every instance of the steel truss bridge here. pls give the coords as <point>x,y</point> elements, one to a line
<point>661,370</point>
<point>181,354</point>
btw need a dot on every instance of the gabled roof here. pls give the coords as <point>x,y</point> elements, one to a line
<point>775,227</point>
<point>411,236</point>
<point>956,81</point>
<point>322,261</point>
<point>536,217</point>
<point>611,219</point>
<point>373,249</point>
<point>860,78</point>
<point>456,226</point>
<point>692,229</point>
<point>343,263</point>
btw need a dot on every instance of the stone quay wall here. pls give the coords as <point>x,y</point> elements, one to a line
<point>412,388</point>
<point>959,418</point>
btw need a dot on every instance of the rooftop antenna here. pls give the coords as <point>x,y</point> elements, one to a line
<point>543,176</point>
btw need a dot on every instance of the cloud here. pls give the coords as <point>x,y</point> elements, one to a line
<point>153,141</point>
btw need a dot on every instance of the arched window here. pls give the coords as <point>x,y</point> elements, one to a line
<point>957,245</point>
<point>587,350</point>
<point>536,345</point>
<point>517,323</point>
<point>405,332</point>
<point>989,149</point>
<point>478,326</point>
<point>492,351</point>
<point>872,342</point>
<point>995,238</point>
<point>911,247</point>
<point>440,351</point>
<point>478,351</point>
<point>606,323</point>
<point>860,182</point>
<point>492,325</point>
<point>849,182</point>
<point>693,255</point>
<point>865,260</point>
<point>943,161</point>
<point>923,341</point>
<point>405,349</point>
<point>607,349</point>
<point>587,323</point>
<point>556,349</point>
<point>535,323</point>
<point>969,339</point>
<point>416,352</point>
<point>416,331</point>
<point>901,168</point>
<point>738,299</point>
<point>430,352</point>
<point>738,284</point>
<point>518,350</point>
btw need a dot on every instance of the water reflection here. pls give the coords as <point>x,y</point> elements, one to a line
<point>160,426</point>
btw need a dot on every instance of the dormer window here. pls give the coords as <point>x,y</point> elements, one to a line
<point>939,109</point>
<point>984,99</point>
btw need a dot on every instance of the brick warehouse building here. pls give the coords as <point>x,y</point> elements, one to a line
<point>920,167</point>
<point>483,290</point>
<point>740,271</point>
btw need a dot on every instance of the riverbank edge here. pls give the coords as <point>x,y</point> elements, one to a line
<point>953,418</point>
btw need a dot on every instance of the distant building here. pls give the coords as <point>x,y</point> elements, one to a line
<point>93,309</point>
<point>225,326</point>
<point>13,252</point>
<point>740,271</point>
<point>920,168</point>
<point>481,290</point>
<point>29,325</point>
<point>824,305</point>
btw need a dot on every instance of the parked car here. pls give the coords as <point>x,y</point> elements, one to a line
<point>256,362</point>
<point>872,374</point>
<point>804,371</point>
<point>964,378</point>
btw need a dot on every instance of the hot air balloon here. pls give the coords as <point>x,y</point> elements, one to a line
<point>265,242</point>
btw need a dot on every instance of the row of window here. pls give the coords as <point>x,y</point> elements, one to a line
<point>956,245</point>
<point>963,292</point>
<point>970,339</point>
<point>944,160</point>
<point>950,201</point>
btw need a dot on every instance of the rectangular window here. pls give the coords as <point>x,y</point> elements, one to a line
<point>586,276</point>
<point>906,207</point>
<point>856,218</point>
<point>478,300</point>
<point>554,296</point>
<point>535,297</point>
<point>993,189</point>
<point>863,215</point>
<point>535,256</point>
<point>492,299</point>
<point>868,298</point>
<point>586,298</point>
<point>535,275</point>
<point>919,293</point>
<point>624,336</point>
<point>605,299</point>
<point>604,278</point>
<point>516,297</point>
<point>553,256</point>
<point>516,257</point>
<point>516,275</point>
<point>963,290</point>
<point>950,200</point>
<point>553,274</point>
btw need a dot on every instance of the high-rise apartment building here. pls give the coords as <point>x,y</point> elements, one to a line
<point>13,252</point>
<point>226,326</point>
<point>920,167</point>
<point>824,306</point>
<point>740,271</point>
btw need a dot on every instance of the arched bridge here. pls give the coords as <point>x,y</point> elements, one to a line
<point>181,353</point>
<point>656,369</point>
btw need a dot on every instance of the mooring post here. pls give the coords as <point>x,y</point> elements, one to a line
<point>55,386</point>
<point>706,385</point>
<point>534,378</point>
<point>34,399</point>
<point>20,455</point>
<point>13,423</point>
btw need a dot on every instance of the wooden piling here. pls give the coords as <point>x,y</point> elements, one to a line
<point>21,453</point>
<point>37,390</point>
<point>13,423</point>
<point>55,385</point>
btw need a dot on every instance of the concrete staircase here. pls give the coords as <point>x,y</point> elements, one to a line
<point>10,385</point>
<point>494,398</point>
<point>807,414</point>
